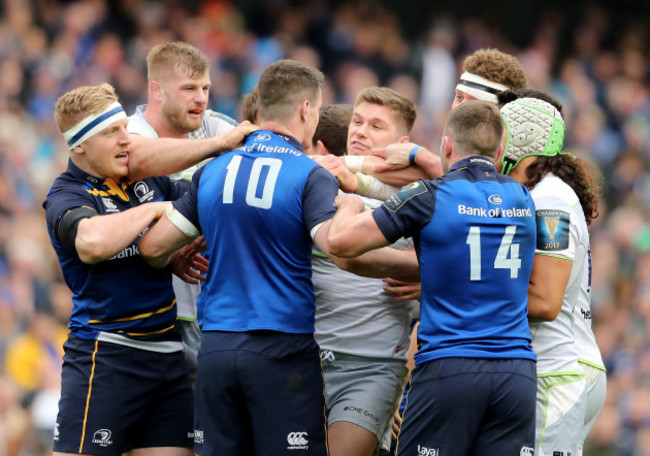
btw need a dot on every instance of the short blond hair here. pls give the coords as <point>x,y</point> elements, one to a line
<point>75,105</point>
<point>476,128</point>
<point>175,54</point>
<point>497,66</point>
<point>400,106</point>
<point>283,85</point>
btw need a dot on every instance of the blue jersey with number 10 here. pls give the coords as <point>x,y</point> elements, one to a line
<point>256,207</point>
<point>474,231</point>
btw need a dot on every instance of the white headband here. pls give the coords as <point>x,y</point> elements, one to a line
<point>93,124</point>
<point>479,87</point>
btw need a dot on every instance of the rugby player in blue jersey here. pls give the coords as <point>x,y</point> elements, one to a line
<point>473,388</point>
<point>125,386</point>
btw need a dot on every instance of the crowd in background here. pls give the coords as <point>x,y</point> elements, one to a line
<point>594,62</point>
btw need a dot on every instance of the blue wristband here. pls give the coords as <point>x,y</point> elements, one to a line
<point>413,153</point>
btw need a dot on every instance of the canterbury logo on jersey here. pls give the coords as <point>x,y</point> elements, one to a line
<point>109,188</point>
<point>298,441</point>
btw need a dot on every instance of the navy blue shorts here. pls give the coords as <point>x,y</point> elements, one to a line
<point>116,398</point>
<point>259,393</point>
<point>465,406</point>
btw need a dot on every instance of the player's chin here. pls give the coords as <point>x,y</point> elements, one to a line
<point>193,123</point>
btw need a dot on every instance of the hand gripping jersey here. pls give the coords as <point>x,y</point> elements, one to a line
<point>474,232</point>
<point>257,207</point>
<point>562,232</point>
<point>122,299</point>
<point>354,315</point>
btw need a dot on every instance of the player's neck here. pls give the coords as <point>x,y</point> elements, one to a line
<point>277,127</point>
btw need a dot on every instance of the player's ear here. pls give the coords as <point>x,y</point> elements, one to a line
<point>499,153</point>
<point>304,109</point>
<point>448,146</point>
<point>155,89</point>
<point>404,139</point>
<point>77,150</point>
<point>320,148</point>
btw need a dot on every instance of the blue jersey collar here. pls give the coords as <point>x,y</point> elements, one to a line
<point>474,160</point>
<point>81,174</point>
<point>291,140</point>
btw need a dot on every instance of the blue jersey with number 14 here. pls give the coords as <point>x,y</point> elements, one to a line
<point>474,231</point>
<point>257,207</point>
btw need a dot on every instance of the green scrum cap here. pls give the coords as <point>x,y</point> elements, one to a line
<point>533,127</point>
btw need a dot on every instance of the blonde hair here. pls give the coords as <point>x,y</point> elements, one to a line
<point>497,66</point>
<point>400,106</point>
<point>476,128</point>
<point>75,105</point>
<point>283,85</point>
<point>175,54</point>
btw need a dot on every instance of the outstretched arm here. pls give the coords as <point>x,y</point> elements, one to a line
<point>407,156</point>
<point>162,240</point>
<point>380,263</point>
<point>163,156</point>
<point>353,230</point>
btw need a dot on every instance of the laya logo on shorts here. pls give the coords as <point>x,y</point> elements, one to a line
<point>56,432</point>
<point>102,438</point>
<point>527,451</point>
<point>426,451</point>
<point>298,441</point>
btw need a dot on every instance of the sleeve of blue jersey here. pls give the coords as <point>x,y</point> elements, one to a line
<point>186,204</point>
<point>404,213</point>
<point>60,201</point>
<point>318,197</point>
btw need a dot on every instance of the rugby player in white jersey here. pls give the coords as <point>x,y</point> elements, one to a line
<point>363,333</point>
<point>179,85</point>
<point>571,375</point>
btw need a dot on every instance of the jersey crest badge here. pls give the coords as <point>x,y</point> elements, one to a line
<point>552,230</point>
<point>406,193</point>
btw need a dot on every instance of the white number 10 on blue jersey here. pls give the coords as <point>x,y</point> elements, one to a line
<point>266,200</point>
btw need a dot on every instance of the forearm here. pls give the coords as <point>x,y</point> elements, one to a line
<point>159,243</point>
<point>429,164</point>
<point>160,157</point>
<point>395,177</point>
<point>384,262</point>
<point>103,236</point>
<point>352,230</point>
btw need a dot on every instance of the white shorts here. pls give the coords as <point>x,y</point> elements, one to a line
<point>560,413</point>
<point>596,384</point>
<point>363,391</point>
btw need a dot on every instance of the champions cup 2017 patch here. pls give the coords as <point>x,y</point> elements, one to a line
<point>552,230</point>
<point>406,193</point>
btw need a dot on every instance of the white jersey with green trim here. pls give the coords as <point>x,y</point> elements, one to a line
<point>354,315</point>
<point>562,233</point>
<point>213,124</point>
